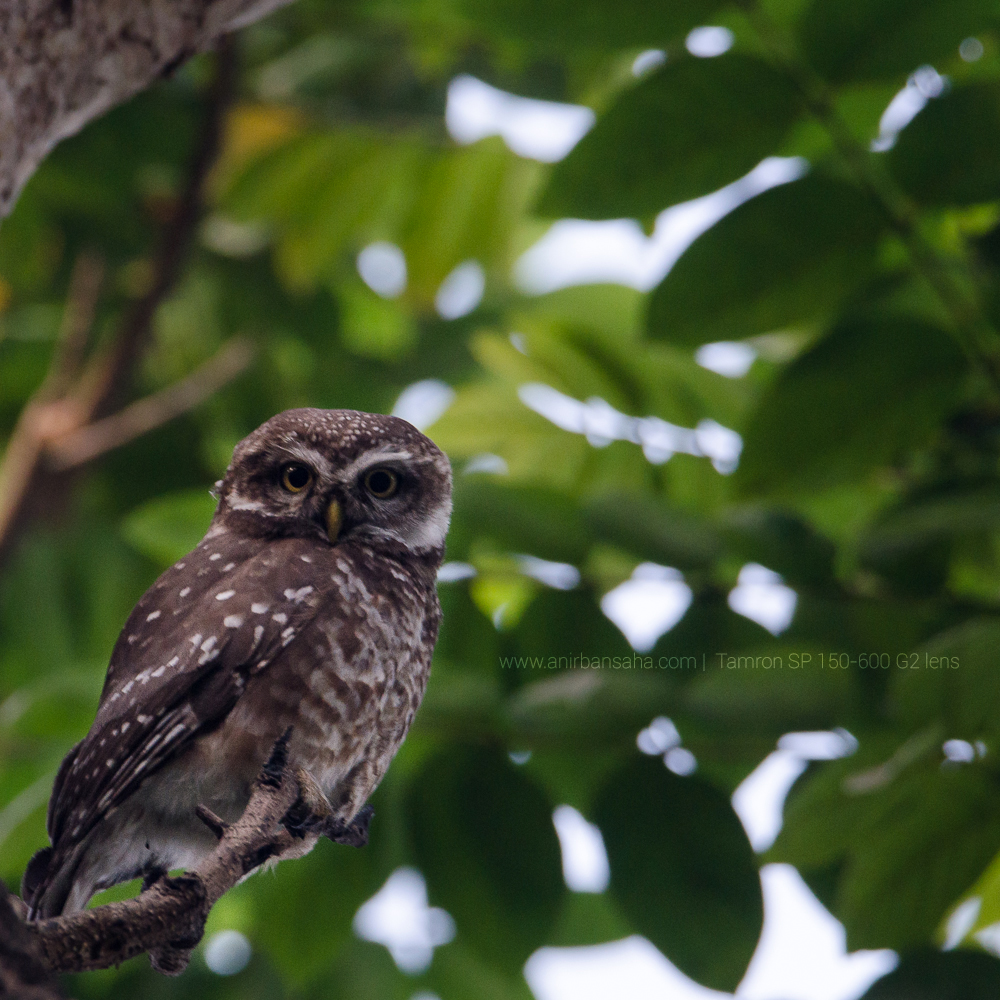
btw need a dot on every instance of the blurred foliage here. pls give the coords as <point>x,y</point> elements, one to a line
<point>869,289</point>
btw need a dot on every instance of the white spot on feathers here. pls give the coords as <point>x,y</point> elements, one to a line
<point>232,621</point>
<point>214,556</point>
<point>152,615</point>
<point>297,596</point>
<point>228,567</point>
<point>280,618</point>
<point>185,592</point>
<point>225,595</point>
<point>259,609</point>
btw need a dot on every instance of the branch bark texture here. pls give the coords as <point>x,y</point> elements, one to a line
<point>65,62</point>
<point>169,918</point>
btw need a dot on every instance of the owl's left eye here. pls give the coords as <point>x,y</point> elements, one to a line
<point>295,478</point>
<point>382,483</point>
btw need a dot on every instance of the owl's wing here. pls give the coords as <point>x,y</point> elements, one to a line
<point>184,681</point>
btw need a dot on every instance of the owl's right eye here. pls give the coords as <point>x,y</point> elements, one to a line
<point>295,478</point>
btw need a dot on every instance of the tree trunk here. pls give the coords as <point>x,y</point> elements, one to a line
<point>65,62</point>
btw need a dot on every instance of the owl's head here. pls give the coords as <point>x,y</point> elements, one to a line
<point>339,475</point>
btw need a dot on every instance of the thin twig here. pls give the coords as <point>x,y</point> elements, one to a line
<point>107,376</point>
<point>69,400</point>
<point>77,321</point>
<point>87,443</point>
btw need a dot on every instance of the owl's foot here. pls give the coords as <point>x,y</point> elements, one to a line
<point>355,833</point>
<point>151,876</point>
<point>313,814</point>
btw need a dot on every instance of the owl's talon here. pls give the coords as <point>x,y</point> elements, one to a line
<point>215,823</point>
<point>353,834</point>
<point>151,876</point>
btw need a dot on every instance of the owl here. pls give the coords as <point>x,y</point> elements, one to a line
<point>310,604</point>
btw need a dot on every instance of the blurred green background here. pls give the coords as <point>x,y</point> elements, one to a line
<point>583,432</point>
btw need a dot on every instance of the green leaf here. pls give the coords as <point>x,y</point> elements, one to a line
<point>788,255</point>
<point>682,870</point>
<point>588,24</point>
<point>168,528</point>
<point>948,154</point>
<point>484,839</point>
<point>684,131</point>
<point>783,542</point>
<point>953,678</point>
<point>901,839</point>
<point>869,390</point>
<point>940,975</point>
<point>845,40</point>
<point>461,974</point>
<point>535,521</point>
<point>651,530</point>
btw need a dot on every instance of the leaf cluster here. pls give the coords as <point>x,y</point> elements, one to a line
<point>869,477</point>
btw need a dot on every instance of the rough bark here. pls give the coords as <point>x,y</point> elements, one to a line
<point>65,62</point>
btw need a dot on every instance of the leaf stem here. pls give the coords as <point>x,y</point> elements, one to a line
<point>972,329</point>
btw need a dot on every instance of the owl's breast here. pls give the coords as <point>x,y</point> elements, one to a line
<point>350,683</point>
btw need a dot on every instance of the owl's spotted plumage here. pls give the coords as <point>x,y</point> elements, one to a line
<point>309,603</point>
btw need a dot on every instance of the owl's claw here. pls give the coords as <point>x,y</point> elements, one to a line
<point>354,834</point>
<point>299,821</point>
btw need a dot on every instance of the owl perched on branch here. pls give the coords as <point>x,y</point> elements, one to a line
<point>310,604</point>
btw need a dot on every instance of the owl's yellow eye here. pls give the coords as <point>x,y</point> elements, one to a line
<point>295,478</point>
<point>381,483</point>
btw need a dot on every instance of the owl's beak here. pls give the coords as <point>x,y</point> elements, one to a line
<point>333,520</point>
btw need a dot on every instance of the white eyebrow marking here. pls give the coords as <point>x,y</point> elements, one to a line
<point>370,458</point>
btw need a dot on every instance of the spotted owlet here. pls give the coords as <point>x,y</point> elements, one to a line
<point>310,604</point>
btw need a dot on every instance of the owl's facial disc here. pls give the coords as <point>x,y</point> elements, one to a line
<point>339,475</point>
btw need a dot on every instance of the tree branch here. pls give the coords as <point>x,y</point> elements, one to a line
<point>64,64</point>
<point>71,402</point>
<point>170,916</point>
<point>87,443</point>
<point>23,975</point>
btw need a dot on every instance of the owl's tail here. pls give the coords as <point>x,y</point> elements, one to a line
<point>47,883</point>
